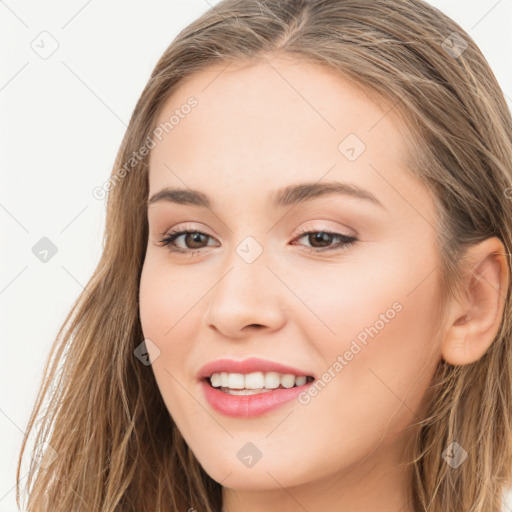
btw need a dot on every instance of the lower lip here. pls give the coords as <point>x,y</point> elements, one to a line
<point>249,406</point>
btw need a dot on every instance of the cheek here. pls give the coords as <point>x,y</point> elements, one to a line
<point>346,295</point>
<point>374,389</point>
<point>166,299</point>
<point>167,319</point>
<point>375,331</point>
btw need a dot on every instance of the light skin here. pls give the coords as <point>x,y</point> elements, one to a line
<point>258,128</point>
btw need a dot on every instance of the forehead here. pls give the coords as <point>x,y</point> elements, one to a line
<point>260,126</point>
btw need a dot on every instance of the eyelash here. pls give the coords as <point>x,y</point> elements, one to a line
<point>346,241</point>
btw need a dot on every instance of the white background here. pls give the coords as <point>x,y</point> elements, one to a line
<point>62,120</point>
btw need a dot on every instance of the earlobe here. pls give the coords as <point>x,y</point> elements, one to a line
<point>477,317</point>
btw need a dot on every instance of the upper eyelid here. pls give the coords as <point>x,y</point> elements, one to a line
<point>300,231</point>
<point>191,227</point>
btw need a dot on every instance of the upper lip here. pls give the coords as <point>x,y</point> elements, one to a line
<point>253,364</point>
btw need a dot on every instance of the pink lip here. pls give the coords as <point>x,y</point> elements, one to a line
<point>252,364</point>
<point>249,406</point>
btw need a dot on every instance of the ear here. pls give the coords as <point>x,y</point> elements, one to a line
<point>476,318</point>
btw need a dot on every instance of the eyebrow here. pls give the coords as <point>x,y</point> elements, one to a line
<point>288,196</point>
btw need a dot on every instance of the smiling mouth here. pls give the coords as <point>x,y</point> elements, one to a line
<point>256,382</point>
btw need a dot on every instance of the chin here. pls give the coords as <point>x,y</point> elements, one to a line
<point>272,474</point>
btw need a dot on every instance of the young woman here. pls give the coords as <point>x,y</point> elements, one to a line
<point>303,298</point>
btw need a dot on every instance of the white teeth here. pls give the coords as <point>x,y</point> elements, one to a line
<point>255,382</point>
<point>300,381</point>
<point>272,380</point>
<point>216,380</point>
<point>288,381</point>
<point>235,380</point>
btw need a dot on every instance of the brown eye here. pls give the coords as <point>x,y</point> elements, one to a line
<point>320,241</point>
<point>320,237</point>
<point>194,241</point>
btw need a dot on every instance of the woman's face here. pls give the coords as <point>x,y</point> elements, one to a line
<point>359,318</point>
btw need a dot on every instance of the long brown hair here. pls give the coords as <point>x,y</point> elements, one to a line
<point>114,444</point>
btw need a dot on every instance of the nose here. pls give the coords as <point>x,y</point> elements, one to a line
<point>248,297</point>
